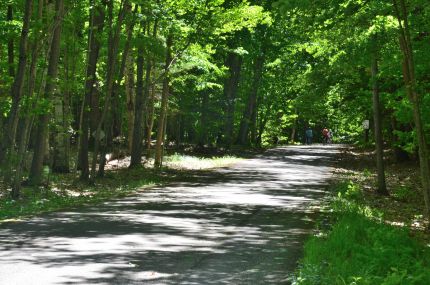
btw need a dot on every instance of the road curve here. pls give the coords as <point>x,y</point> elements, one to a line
<point>240,225</point>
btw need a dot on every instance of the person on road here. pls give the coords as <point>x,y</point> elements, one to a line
<point>325,133</point>
<point>309,135</point>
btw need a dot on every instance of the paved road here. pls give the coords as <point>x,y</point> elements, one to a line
<point>241,225</point>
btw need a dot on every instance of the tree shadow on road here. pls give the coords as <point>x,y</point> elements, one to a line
<point>241,225</point>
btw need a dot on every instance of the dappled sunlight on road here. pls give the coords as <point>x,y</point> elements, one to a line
<point>232,226</point>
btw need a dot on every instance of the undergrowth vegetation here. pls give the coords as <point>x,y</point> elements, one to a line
<point>360,248</point>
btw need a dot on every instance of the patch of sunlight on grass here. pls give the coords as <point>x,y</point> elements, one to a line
<point>180,161</point>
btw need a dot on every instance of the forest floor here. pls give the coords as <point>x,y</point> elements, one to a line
<point>404,207</point>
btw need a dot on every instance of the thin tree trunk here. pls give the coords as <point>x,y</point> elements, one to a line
<point>121,72</point>
<point>135,159</point>
<point>10,44</point>
<point>27,120</point>
<point>8,141</point>
<point>150,122</point>
<point>203,137</point>
<point>61,154</point>
<point>252,101</point>
<point>414,97</point>
<point>379,144</point>
<point>97,19</point>
<point>41,139</point>
<point>141,102</point>
<point>262,125</point>
<point>294,128</point>
<point>106,117</point>
<point>163,109</point>
<point>130,93</point>
<point>234,63</point>
<point>253,122</point>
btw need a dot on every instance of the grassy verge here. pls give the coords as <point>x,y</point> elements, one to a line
<point>65,191</point>
<point>367,239</point>
<point>361,249</point>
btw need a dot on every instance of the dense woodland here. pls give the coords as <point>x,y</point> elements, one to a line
<point>84,81</point>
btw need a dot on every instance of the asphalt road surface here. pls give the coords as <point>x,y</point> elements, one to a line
<point>240,225</point>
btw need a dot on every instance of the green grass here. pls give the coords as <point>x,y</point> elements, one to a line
<point>182,161</point>
<point>361,249</point>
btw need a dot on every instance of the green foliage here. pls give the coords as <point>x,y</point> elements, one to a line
<point>404,193</point>
<point>360,249</point>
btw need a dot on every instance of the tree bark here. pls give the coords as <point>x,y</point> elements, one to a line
<point>61,138</point>
<point>8,141</point>
<point>204,120</point>
<point>23,136</point>
<point>252,101</point>
<point>97,19</point>
<point>379,144</point>
<point>36,172</point>
<point>106,117</point>
<point>234,63</point>
<point>163,109</point>
<point>415,99</point>
<point>130,94</point>
<point>150,122</point>
<point>10,44</point>
<point>117,116</point>
<point>136,156</point>
<point>142,94</point>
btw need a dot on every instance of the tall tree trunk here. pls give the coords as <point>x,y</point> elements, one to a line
<point>252,101</point>
<point>164,102</point>
<point>141,102</point>
<point>61,138</point>
<point>414,97</point>
<point>262,125</point>
<point>121,72</point>
<point>10,44</point>
<point>234,63</point>
<point>253,122</point>
<point>130,93</point>
<point>8,141</point>
<point>150,121</point>
<point>27,120</point>
<point>136,155</point>
<point>204,120</point>
<point>97,19</point>
<point>379,144</point>
<point>294,128</point>
<point>106,117</point>
<point>42,136</point>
